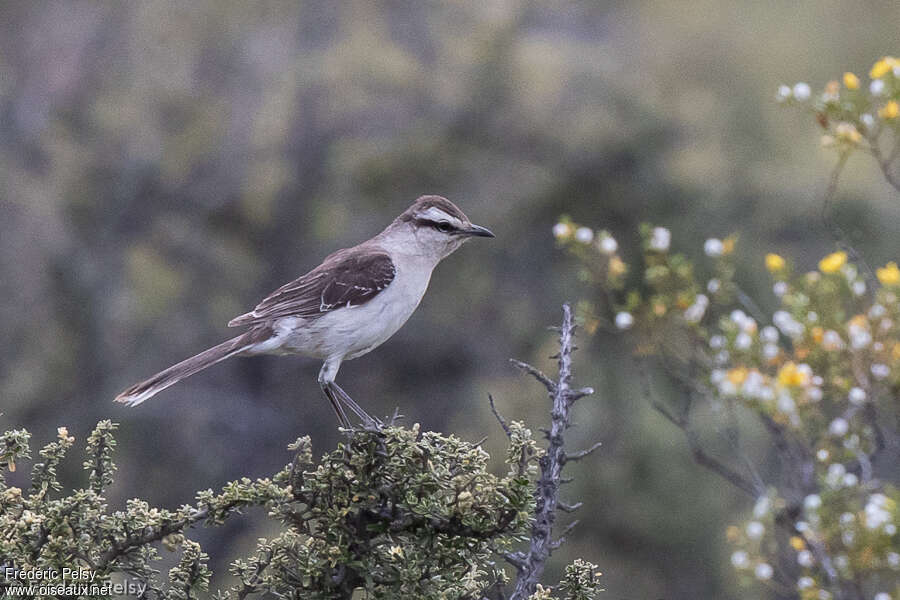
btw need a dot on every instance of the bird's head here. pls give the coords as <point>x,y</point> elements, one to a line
<point>436,227</point>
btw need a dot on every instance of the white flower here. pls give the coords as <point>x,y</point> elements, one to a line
<point>805,558</point>
<point>822,454</point>
<point>841,561</point>
<point>893,560</point>
<point>713,247</point>
<point>880,371</point>
<point>788,325</point>
<point>743,341</point>
<point>802,91</point>
<point>848,537</point>
<point>802,526</point>
<point>761,508</point>
<point>877,511</point>
<point>831,340</point>
<point>738,317</point>
<point>876,88</point>
<point>755,385</point>
<point>882,596</point>
<point>867,120</point>
<point>722,357</point>
<point>716,342</point>
<point>850,480</point>
<point>770,351</point>
<point>780,288</point>
<point>584,235</point>
<point>812,502</point>
<point>755,530</point>
<point>786,403</point>
<point>877,311</point>
<point>805,582</point>
<point>817,380</point>
<point>835,475</point>
<point>660,239</point>
<point>624,320</point>
<point>814,394</point>
<point>694,312</point>
<point>783,94</point>
<point>608,244</point>
<point>713,286</point>
<point>859,338</point>
<point>740,559</point>
<point>858,287</point>
<point>890,529</point>
<point>838,427</point>
<point>857,395</point>
<point>769,334</point>
<point>763,571</point>
<point>562,230</point>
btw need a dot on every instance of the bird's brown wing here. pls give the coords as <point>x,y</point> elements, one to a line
<point>346,278</point>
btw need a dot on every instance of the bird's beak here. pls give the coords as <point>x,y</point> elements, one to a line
<point>477,231</point>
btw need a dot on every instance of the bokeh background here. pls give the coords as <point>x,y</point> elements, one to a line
<point>164,165</point>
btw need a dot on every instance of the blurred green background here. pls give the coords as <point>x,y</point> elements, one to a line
<point>164,165</point>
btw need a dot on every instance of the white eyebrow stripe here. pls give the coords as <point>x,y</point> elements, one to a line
<point>435,214</point>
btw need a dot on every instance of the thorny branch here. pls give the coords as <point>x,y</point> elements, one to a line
<point>530,564</point>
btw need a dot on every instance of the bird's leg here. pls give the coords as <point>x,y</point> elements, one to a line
<point>369,422</point>
<point>326,379</point>
<point>343,421</point>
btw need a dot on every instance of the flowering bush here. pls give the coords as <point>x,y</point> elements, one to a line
<point>857,117</point>
<point>820,373</point>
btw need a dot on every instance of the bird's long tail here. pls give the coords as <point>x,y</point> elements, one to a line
<point>148,388</point>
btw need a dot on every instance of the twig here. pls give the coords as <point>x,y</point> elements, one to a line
<point>548,383</point>
<point>499,417</point>
<point>840,237</point>
<point>576,456</point>
<point>884,162</point>
<point>701,456</point>
<point>530,564</point>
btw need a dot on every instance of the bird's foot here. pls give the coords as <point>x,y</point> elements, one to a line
<point>369,423</point>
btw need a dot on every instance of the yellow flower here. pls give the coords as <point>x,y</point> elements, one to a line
<point>818,334</point>
<point>737,375</point>
<point>891,110</point>
<point>851,81</point>
<point>789,375</point>
<point>889,274</point>
<point>833,262</point>
<point>617,267</point>
<point>732,533</point>
<point>847,132</point>
<point>728,244</point>
<point>774,262</point>
<point>797,543</point>
<point>881,68</point>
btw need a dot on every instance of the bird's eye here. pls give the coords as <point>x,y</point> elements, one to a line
<point>443,227</point>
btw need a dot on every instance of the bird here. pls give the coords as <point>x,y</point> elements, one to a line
<point>344,308</point>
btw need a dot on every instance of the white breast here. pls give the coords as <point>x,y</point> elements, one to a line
<point>352,331</point>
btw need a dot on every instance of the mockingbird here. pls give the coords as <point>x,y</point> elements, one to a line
<point>347,306</point>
